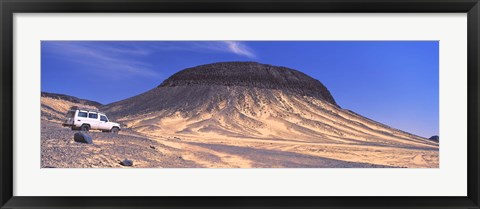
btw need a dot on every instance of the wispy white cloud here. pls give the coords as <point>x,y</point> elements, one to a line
<point>239,49</point>
<point>103,58</point>
<point>126,59</point>
<point>231,47</point>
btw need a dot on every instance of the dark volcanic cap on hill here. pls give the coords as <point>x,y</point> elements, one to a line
<point>251,74</point>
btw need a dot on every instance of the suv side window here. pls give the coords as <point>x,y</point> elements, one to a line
<point>82,114</point>
<point>103,118</point>
<point>93,115</point>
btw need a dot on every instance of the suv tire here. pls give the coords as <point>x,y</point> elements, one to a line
<point>85,128</point>
<point>115,130</point>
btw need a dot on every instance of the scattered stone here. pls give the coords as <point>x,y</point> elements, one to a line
<point>127,162</point>
<point>153,147</point>
<point>82,137</point>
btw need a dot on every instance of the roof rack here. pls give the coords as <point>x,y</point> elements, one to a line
<point>85,109</point>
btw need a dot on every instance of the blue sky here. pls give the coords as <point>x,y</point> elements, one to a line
<point>393,82</point>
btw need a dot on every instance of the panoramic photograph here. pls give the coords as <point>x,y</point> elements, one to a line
<point>239,104</point>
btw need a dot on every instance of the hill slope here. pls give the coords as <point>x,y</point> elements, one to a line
<point>235,114</point>
<point>252,100</point>
<point>55,106</point>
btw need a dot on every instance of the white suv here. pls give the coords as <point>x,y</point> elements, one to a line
<point>86,119</point>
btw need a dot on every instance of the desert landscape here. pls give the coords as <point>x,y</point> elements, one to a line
<point>232,115</point>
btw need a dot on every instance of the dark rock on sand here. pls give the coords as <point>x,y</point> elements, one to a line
<point>83,137</point>
<point>127,162</point>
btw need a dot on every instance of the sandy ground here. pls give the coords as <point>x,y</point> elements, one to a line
<point>177,151</point>
<point>233,127</point>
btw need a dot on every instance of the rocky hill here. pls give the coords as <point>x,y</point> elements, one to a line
<point>55,106</point>
<point>71,99</point>
<point>253,75</point>
<point>247,99</point>
<point>230,115</point>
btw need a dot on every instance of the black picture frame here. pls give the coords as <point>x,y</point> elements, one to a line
<point>9,7</point>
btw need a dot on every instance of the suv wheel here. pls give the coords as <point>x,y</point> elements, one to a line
<point>115,130</point>
<point>85,128</point>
